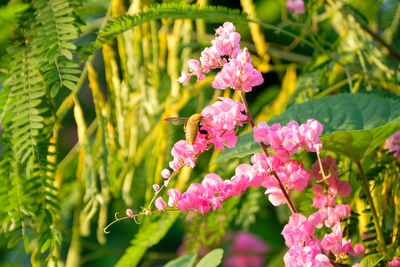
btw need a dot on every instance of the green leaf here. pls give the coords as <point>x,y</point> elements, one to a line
<point>183,261</point>
<point>70,85</point>
<point>151,232</point>
<point>246,144</point>
<point>13,241</point>
<point>354,125</point>
<point>371,260</point>
<point>212,259</point>
<point>26,244</point>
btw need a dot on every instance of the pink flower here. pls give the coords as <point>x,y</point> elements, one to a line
<point>295,6</point>
<point>156,187</point>
<point>342,210</point>
<point>358,250</point>
<point>311,256</point>
<point>393,144</point>
<point>395,262</point>
<point>160,204</point>
<point>344,188</point>
<point>332,243</point>
<point>129,213</point>
<point>310,133</point>
<point>320,201</point>
<point>213,183</point>
<point>238,74</point>
<point>174,196</point>
<point>298,230</point>
<point>247,250</point>
<point>165,173</point>
<point>185,77</point>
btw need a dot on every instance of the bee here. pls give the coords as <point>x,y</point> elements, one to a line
<point>191,127</point>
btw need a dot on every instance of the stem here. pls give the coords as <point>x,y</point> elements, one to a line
<point>264,148</point>
<point>381,240</point>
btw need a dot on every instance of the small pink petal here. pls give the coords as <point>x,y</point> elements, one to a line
<point>160,204</point>
<point>165,173</point>
<point>129,213</point>
<point>156,187</point>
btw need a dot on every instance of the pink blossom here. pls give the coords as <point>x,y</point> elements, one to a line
<point>317,189</point>
<point>346,247</point>
<point>174,196</point>
<point>316,219</point>
<point>295,6</point>
<point>160,204</point>
<point>395,262</point>
<point>329,167</point>
<point>185,77</point>
<point>292,175</point>
<point>358,250</point>
<point>165,173</point>
<point>344,188</point>
<point>288,139</point>
<point>310,133</point>
<point>156,187</point>
<point>320,201</point>
<point>298,230</point>
<point>247,250</point>
<point>213,183</point>
<point>342,210</point>
<point>393,144</point>
<point>238,74</point>
<point>129,213</point>
<point>310,256</point>
<point>332,243</point>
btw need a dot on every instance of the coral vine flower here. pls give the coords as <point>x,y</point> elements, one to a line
<point>393,144</point>
<point>295,6</point>
<point>247,250</point>
<point>238,74</point>
<point>221,119</point>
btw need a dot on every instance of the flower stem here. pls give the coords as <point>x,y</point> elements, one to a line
<point>381,239</point>
<point>264,148</point>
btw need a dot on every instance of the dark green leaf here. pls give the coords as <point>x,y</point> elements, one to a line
<point>354,125</point>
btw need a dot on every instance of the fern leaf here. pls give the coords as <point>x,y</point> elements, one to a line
<point>159,11</point>
<point>55,32</point>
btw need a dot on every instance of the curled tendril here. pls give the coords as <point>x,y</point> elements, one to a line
<point>134,218</point>
<point>116,220</point>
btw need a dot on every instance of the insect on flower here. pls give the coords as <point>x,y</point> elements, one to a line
<point>191,127</point>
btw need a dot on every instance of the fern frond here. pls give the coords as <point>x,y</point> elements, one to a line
<point>170,10</point>
<point>55,32</point>
<point>26,92</point>
<point>28,125</point>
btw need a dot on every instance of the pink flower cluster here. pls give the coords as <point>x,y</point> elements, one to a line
<point>288,139</point>
<point>237,72</point>
<point>247,250</point>
<point>295,6</point>
<point>221,119</point>
<point>329,213</point>
<point>306,249</point>
<point>299,232</point>
<point>393,144</point>
<point>395,262</point>
<point>291,173</point>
